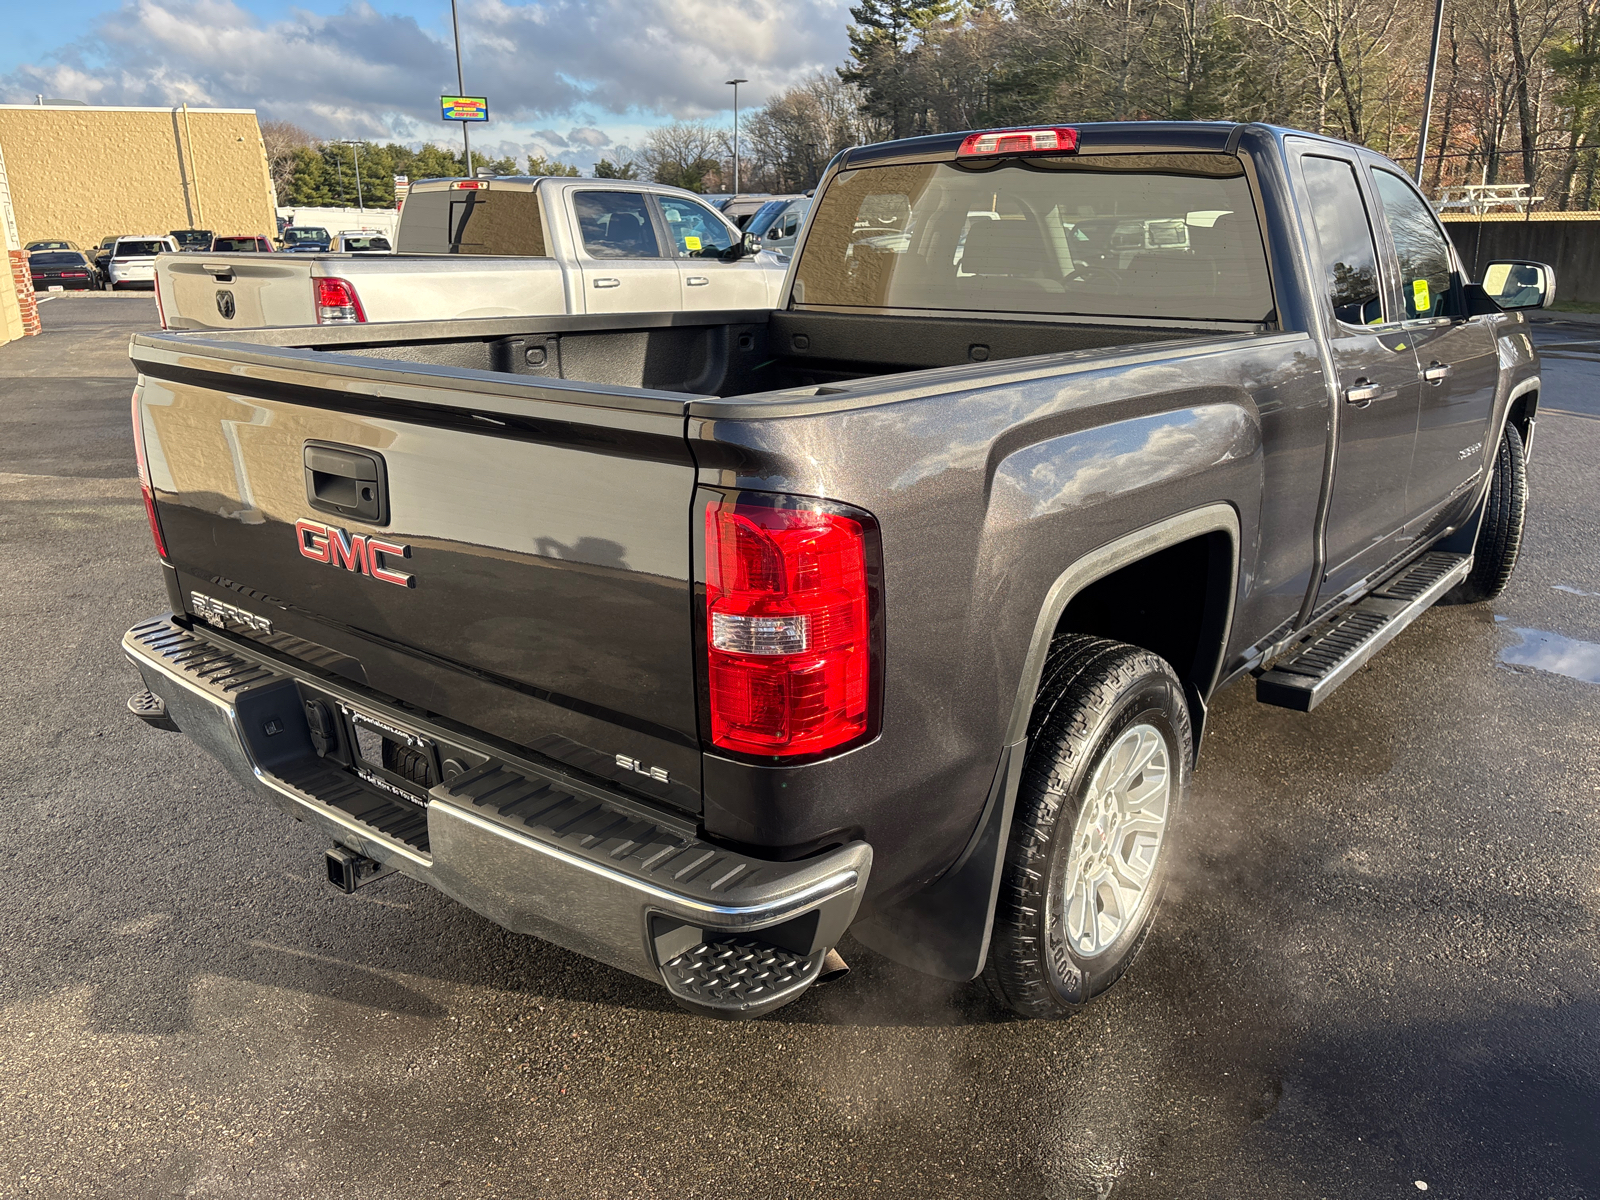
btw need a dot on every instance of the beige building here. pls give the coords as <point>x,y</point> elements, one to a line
<point>83,172</point>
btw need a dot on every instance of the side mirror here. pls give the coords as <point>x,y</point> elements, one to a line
<point>743,248</point>
<point>1519,284</point>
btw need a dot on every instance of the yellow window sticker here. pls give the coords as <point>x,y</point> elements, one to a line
<point>693,243</point>
<point>1419,296</point>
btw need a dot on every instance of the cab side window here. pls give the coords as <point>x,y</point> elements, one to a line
<point>1425,275</point>
<point>616,225</point>
<point>695,230</point>
<point>1349,253</point>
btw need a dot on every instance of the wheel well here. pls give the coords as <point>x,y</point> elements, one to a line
<point>1523,411</point>
<point>1174,603</point>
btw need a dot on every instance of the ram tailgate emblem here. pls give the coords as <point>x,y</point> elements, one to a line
<point>353,551</point>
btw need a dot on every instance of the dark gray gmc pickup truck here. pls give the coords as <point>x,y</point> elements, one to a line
<point>691,640</point>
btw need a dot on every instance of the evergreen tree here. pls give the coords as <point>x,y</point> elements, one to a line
<point>883,43</point>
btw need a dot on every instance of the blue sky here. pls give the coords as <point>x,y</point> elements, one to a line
<point>572,79</point>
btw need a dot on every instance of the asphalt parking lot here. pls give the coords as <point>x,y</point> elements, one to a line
<point>1377,970</point>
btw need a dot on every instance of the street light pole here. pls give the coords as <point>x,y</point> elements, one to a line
<point>461,89</point>
<point>1427,101</point>
<point>735,84</point>
<point>355,149</point>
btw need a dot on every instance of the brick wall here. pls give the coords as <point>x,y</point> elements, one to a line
<point>22,280</point>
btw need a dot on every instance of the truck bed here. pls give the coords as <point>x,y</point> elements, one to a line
<point>722,354</point>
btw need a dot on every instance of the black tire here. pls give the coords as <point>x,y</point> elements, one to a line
<point>1500,535</point>
<point>1093,694</point>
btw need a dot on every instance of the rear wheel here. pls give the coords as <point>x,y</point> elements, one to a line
<point>1500,534</point>
<point>1106,774</point>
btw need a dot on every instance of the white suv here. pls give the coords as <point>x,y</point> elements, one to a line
<point>133,260</point>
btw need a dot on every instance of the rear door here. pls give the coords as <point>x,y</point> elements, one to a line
<point>1376,374</point>
<point>1457,356</point>
<point>624,266</point>
<point>698,240</point>
<point>521,566</point>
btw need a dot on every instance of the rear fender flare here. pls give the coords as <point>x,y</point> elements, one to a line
<point>1111,557</point>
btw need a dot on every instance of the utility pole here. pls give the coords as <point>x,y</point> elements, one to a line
<point>461,89</point>
<point>355,149</point>
<point>1427,102</point>
<point>735,84</point>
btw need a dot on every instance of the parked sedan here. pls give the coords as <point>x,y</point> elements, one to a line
<point>63,270</point>
<point>242,244</point>
<point>133,261</point>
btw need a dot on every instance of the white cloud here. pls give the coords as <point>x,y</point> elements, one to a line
<point>611,66</point>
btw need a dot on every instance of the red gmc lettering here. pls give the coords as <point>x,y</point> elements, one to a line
<point>347,551</point>
<point>375,552</point>
<point>353,552</point>
<point>313,540</point>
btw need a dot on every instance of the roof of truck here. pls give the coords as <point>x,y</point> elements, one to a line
<point>1094,137</point>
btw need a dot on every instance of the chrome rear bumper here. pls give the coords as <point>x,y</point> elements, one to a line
<point>534,849</point>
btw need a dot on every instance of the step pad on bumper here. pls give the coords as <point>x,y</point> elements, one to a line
<point>238,681</point>
<point>741,977</point>
<point>606,831</point>
<point>1308,675</point>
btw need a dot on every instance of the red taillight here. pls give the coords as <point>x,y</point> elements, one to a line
<point>337,302</point>
<point>470,185</point>
<point>144,477</point>
<point>161,312</point>
<point>788,628</point>
<point>1020,141</point>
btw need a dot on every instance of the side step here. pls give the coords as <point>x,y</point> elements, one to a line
<point>1308,675</point>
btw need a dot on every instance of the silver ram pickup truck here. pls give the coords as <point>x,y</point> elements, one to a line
<point>692,640</point>
<point>505,247</point>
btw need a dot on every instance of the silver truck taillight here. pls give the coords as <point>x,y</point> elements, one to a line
<point>337,302</point>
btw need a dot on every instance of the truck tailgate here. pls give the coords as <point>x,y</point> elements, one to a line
<point>530,578</point>
<point>234,291</point>
<point>252,291</point>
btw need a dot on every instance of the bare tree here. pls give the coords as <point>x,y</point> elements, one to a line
<point>787,143</point>
<point>282,139</point>
<point>686,154</point>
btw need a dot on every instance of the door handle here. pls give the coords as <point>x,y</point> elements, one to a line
<point>1437,372</point>
<point>697,281</point>
<point>607,283</point>
<point>1363,392</point>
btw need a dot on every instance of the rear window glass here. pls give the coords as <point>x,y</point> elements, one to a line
<point>305,233</point>
<point>238,245</point>
<point>140,249</point>
<point>365,243</point>
<point>55,258</point>
<point>486,221</point>
<point>1163,236</point>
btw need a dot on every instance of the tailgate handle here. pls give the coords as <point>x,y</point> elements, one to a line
<point>221,272</point>
<point>347,482</point>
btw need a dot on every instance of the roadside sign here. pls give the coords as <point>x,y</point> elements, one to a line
<point>464,108</point>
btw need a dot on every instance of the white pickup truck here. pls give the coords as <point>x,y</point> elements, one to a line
<point>533,247</point>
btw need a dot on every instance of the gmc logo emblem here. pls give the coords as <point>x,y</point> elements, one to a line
<point>354,552</point>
